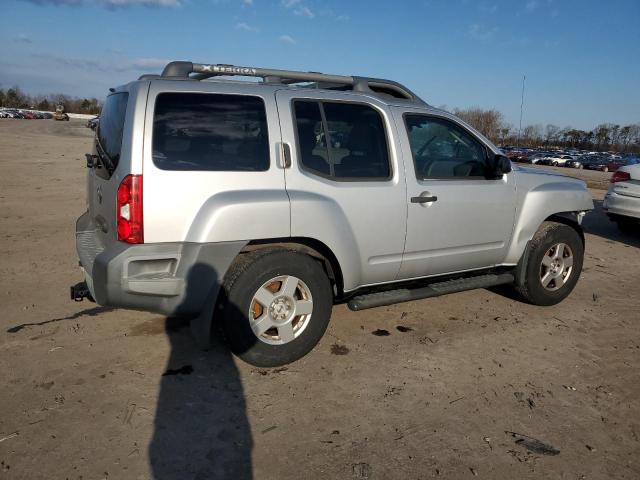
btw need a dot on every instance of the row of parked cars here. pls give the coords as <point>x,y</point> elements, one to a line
<point>604,162</point>
<point>24,114</point>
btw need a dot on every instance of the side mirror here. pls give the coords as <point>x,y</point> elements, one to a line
<point>501,165</point>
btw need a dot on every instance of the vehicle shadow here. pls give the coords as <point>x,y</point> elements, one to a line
<point>87,312</point>
<point>597,223</point>
<point>201,429</point>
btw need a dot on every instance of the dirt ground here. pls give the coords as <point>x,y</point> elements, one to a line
<point>472,384</point>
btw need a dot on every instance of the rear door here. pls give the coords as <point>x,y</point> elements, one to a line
<point>346,180</point>
<point>458,219</point>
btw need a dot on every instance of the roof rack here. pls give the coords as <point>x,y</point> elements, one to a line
<point>202,71</point>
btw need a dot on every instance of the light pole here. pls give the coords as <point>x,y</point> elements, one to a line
<point>521,105</point>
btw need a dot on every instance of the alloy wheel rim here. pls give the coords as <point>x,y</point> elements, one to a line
<point>280,310</point>
<point>556,266</point>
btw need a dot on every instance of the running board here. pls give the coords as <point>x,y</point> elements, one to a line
<point>362,302</point>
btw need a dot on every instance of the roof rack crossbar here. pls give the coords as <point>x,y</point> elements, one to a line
<point>202,71</point>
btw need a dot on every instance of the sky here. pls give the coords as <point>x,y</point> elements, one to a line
<point>581,58</point>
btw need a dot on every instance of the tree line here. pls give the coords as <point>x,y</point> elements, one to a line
<point>490,122</point>
<point>603,137</point>
<point>13,97</point>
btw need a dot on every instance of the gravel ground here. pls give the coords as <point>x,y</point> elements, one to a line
<point>472,384</point>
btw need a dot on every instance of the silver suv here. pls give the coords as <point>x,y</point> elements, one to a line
<point>258,205</point>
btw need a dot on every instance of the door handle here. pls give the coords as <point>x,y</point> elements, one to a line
<point>430,199</point>
<point>286,155</point>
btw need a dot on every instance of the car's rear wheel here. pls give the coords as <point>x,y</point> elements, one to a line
<point>276,306</point>
<point>554,264</point>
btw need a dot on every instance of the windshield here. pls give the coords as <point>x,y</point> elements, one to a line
<point>111,126</point>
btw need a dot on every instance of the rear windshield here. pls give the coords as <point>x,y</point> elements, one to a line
<point>111,125</point>
<point>196,131</point>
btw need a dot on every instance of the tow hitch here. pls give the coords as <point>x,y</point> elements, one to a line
<point>80,291</point>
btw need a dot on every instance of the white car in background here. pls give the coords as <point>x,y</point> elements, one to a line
<point>559,160</point>
<point>622,201</point>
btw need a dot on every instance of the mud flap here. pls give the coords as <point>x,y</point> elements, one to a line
<point>520,271</point>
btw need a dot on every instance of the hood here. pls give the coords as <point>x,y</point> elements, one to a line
<point>539,171</point>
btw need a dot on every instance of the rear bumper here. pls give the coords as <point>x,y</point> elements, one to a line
<point>167,278</point>
<point>621,205</point>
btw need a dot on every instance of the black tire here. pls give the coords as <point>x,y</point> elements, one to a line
<point>248,274</point>
<point>546,238</point>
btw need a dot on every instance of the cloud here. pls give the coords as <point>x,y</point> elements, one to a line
<point>343,18</point>
<point>247,2</point>
<point>70,62</point>
<point>144,3</point>
<point>246,27</point>
<point>287,39</point>
<point>481,33</point>
<point>303,11</point>
<point>298,8</point>
<point>144,65</point>
<point>139,65</point>
<point>22,38</point>
<point>488,8</point>
<point>111,4</point>
<point>531,5</point>
<point>54,2</point>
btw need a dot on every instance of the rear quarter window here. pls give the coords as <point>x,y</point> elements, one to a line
<point>213,132</point>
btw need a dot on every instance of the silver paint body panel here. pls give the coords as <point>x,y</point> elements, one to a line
<point>377,235</point>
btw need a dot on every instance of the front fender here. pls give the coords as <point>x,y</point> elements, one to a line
<point>536,204</point>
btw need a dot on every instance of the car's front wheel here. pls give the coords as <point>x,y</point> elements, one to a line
<point>554,264</point>
<point>276,306</point>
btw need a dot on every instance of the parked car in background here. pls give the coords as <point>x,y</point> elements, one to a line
<point>575,163</point>
<point>596,162</point>
<point>622,201</point>
<point>92,123</point>
<point>616,163</point>
<point>536,157</point>
<point>560,160</point>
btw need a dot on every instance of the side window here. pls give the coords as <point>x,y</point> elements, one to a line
<point>197,131</point>
<point>342,141</point>
<point>442,149</point>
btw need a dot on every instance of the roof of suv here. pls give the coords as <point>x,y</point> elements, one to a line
<point>388,90</point>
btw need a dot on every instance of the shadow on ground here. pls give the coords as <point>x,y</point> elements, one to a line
<point>201,426</point>
<point>597,223</point>
<point>87,312</point>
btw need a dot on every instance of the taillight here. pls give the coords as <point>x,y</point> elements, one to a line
<point>129,210</point>
<point>619,176</point>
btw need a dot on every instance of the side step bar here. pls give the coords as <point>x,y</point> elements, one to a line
<point>362,302</point>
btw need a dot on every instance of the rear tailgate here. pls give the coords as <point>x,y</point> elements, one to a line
<point>117,152</point>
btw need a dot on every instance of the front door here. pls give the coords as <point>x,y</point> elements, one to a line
<point>459,218</point>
